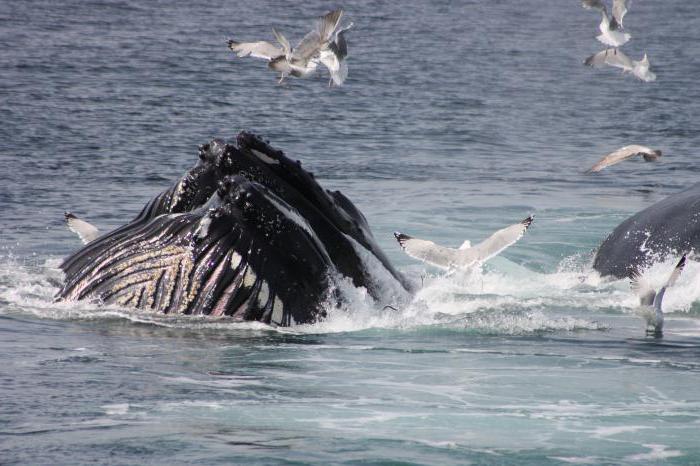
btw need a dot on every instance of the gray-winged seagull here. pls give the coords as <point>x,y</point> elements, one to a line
<point>625,153</point>
<point>611,33</point>
<point>466,256</point>
<point>299,61</point>
<point>615,57</point>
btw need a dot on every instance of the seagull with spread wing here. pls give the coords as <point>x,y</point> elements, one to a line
<point>625,153</point>
<point>611,29</point>
<point>301,61</point>
<point>614,57</point>
<point>333,57</point>
<point>467,255</point>
<point>650,300</point>
<point>278,56</point>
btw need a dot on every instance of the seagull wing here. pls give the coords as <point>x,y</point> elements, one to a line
<point>427,251</point>
<point>619,155</point>
<point>260,49</point>
<point>281,65</point>
<point>318,38</point>
<point>620,60</point>
<point>339,45</point>
<point>330,60</point>
<point>328,24</point>
<point>599,59</point>
<point>643,289</point>
<point>671,280</point>
<point>85,231</point>
<point>333,57</point>
<point>286,47</point>
<point>448,258</point>
<point>676,272</point>
<point>619,9</point>
<point>499,241</point>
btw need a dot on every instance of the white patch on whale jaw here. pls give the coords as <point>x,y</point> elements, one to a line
<point>277,317</point>
<point>249,278</point>
<point>235,260</point>
<point>263,294</point>
<point>203,227</point>
<point>264,157</point>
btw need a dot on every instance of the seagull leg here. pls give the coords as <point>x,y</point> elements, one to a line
<point>281,79</point>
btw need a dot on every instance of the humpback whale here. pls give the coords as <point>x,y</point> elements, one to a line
<point>671,226</point>
<point>246,233</point>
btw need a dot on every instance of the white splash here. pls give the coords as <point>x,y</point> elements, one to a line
<point>501,298</point>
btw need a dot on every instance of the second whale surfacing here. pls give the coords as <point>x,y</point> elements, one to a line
<point>670,227</point>
<point>245,233</point>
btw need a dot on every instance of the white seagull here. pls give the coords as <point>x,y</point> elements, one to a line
<point>619,10</point>
<point>614,57</point>
<point>277,56</point>
<point>611,33</point>
<point>334,56</point>
<point>625,153</point>
<point>85,231</point>
<point>650,300</point>
<point>466,256</point>
<point>300,61</point>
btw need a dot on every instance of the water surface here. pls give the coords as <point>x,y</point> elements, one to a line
<point>457,118</point>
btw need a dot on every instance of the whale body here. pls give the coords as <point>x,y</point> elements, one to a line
<point>246,233</point>
<point>671,226</point>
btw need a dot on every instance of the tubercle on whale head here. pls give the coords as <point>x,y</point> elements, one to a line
<point>240,193</point>
<point>255,159</point>
<point>246,140</point>
<point>212,151</point>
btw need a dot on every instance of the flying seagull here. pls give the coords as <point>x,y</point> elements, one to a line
<point>650,300</point>
<point>85,231</point>
<point>614,57</point>
<point>333,57</point>
<point>619,10</point>
<point>611,33</point>
<point>299,61</point>
<point>466,256</point>
<point>259,49</point>
<point>276,56</point>
<point>625,153</point>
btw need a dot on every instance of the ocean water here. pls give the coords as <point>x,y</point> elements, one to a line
<point>457,118</point>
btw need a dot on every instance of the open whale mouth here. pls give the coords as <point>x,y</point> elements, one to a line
<point>246,233</point>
